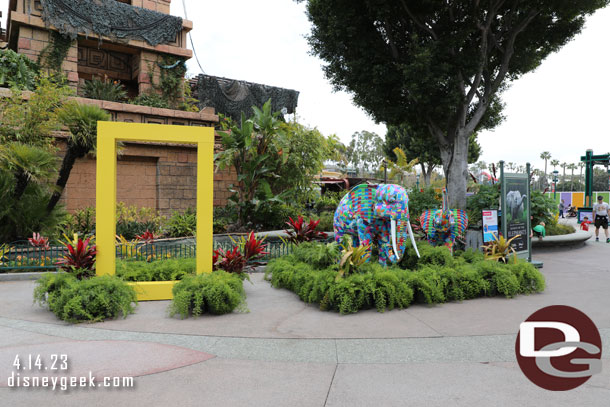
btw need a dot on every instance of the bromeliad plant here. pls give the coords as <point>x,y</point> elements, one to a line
<point>245,255</point>
<point>299,231</point>
<point>79,259</point>
<point>352,258</point>
<point>500,249</point>
<point>39,241</point>
<point>147,237</point>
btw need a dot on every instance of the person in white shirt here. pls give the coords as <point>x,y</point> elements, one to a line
<point>600,215</point>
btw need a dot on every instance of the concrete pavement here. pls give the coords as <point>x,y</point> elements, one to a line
<point>284,352</point>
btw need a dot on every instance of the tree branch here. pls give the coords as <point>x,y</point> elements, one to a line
<point>417,22</point>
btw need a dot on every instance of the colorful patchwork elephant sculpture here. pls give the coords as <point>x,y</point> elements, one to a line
<point>376,214</point>
<point>443,226</point>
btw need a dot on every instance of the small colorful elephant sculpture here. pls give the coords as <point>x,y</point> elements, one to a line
<point>443,226</point>
<point>376,214</point>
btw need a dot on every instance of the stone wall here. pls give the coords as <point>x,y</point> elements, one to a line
<point>152,176</point>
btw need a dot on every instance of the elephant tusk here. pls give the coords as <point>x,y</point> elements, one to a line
<point>413,239</point>
<point>393,231</point>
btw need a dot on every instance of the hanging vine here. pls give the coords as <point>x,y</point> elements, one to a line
<point>53,55</point>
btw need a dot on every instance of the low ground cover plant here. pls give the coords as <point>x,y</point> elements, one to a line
<point>88,300</point>
<point>162,270</point>
<point>312,273</point>
<point>215,293</point>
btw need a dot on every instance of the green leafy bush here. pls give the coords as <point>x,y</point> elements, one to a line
<point>182,224</point>
<point>150,99</point>
<point>553,229</point>
<point>17,70</point>
<point>311,273</point>
<point>273,216</point>
<point>217,293</point>
<point>91,300</point>
<point>109,90</point>
<point>161,270</point>
<point>487,197</point>
<point>326,221</point>
<point>419,201</point>
<point>543,208</point>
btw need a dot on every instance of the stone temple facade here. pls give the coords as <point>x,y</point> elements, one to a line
<point>160,176</point>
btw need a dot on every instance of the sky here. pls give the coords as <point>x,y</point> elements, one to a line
<point>561,107</point>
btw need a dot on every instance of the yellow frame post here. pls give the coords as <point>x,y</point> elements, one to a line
<point>108,134</point>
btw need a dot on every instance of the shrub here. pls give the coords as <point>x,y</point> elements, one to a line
<point>91,300</point>
<point>17,70</point>
<point>311,273</point>
<point>217,293</point>
<point>553,229</point>
<point>317,255</point>
<point>326,220</point>
<point>419,201</point>
<point>150,99</point>
<point>543,208</point>
<point>79,259</point>
<point>109,90</point>
<point>273,215</point>
<point>182,224</point>
<point>487,197</point>
<point>162,270</point>
<point>298,231</point>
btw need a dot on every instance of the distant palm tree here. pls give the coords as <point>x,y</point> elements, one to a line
<point>572,167</point>
<point>554,163</point>
<point>581,165</point>
<point>545,155</point>
<point>564,165</point>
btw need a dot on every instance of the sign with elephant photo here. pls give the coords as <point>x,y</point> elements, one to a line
<point>516,214</point>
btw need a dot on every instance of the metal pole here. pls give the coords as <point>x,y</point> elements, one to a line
<point>385,172</point>
<point>529,215</point>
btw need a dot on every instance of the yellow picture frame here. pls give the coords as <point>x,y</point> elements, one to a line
<point>108,134</point>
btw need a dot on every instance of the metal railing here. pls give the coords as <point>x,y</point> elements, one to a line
<point>21,256</point>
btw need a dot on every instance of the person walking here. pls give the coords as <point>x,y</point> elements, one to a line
<point>600,215</point>
<point>562,206</point>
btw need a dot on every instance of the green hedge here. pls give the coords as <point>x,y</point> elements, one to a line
<point>438,277</point>
<point>91,300</point>
<point>217,293</point>
<point>161,270</point>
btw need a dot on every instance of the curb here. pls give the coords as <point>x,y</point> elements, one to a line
<point>25,276</point>
<point>573,239</point>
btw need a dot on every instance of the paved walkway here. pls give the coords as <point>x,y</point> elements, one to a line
<point>284,352</point>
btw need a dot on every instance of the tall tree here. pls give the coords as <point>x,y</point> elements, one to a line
<point>365,152</point>
<point>545,155</point>
<point>564,165</point>
<point>555,164</point>
<point>416,144</point>
<point>581,165</point>
<point>572,167</point>
<point>439,64</point>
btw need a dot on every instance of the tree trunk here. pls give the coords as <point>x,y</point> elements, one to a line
<point>64,174</point>
<point>426,172</point>
<point>455,165</point>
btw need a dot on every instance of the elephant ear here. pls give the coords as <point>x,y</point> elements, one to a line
<point>362,199</point>
<point>426,218</point>
<point>461,221</point>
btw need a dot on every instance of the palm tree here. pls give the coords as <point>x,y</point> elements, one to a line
<point>28,164</point>
<point>554,163</point>
<point>581,165</point>
<point>572,167</point>
<point>545,155</point>
<point>564,165</point>
<point>82,123</point>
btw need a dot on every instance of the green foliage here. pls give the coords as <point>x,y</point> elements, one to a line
<point>439,66</point>
<point>437,277</point>
<point>107,89</point>
<point>306,150</point>
<point>91,300</point>
<point>150,99</point>
<point>326,221</point>
<point>543,208</point>
<point>365,153</point>
<point>487,197</point>
<point>160,270</point>
<point>273,216</point>
<point>256,148</point>
<point>32,121</point>
<point>553,229</point>
<point>53,55</point>
<point>17,70</point>
<point>182,224</point>
<point>216,293</point>
<point>317,255</point>
<point>81,222</point>
<point>328,201</point>
<point>419,201</point>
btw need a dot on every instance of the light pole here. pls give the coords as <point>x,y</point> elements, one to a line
<point>555,173</point>
<point>417,182</point>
